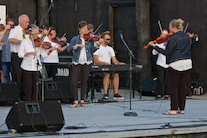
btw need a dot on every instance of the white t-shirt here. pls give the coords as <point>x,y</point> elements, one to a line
<point>105,53</point>
<point>16,33</point>
<point>53,57</point>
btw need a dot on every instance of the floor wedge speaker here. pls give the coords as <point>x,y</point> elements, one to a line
<point>148,86</point>
<point>58,90</point>
<point>8,92</point>
<point>35,116</point>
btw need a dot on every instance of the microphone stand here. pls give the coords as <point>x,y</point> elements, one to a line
<point>130,113</point>
<point>43,20</point>
<point>43,68</point>
<point>37,82</point>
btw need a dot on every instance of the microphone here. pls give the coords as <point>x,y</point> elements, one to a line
<point>30,30</point>
<point>52,3</point>
<point>121,35</point>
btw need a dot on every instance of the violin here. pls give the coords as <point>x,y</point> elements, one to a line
<point>45,45</point>
<point>59,41</point>
<point>161,39</point>
<point>2,27</point>
<point>91,36</point>
<point>26,31</point>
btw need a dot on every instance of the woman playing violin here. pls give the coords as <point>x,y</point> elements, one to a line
<point>178,52</point>
<point>52,59</point>
<point>29,63</point>
<point>161,69</point>
<point>82,61</point>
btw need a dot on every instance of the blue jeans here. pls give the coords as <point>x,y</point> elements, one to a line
<point>6,67</point>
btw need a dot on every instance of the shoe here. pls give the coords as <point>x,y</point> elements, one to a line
<point>158,97</point>
<point>83,105</point>
<point>105,96</point>
<point>117,96</point>
<point>98,90</point>
<point>169,113</point>
<point>181,112</point>
<point>74,105</point>
<point>165,97</point>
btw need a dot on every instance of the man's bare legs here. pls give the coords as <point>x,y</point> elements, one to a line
<point>116,82</point>
<point>106,81</point>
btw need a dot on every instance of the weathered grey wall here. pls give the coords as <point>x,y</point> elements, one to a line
<point>67,13</point>
<point>17,7</point>
<point>143,33</point>
<point>192,12</point>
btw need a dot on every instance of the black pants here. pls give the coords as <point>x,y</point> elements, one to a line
<point>30,78</point>
<point>162,86</point>
<point>78,70</point>
<point>177,87</point>
<point>51,69</point>
<point>17,72</point>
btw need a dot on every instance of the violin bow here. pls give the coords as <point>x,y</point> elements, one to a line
<point>64,35</point>
<point>160,26</point>
<point>35,22</point>
<point>186,27</point>
<point>98,28</point>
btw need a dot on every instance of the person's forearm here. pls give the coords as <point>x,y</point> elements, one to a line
<point>99,62</point>
<point>14,41</point>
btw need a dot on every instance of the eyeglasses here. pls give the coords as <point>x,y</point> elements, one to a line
<point>82,22</point>
<point>107,39</point>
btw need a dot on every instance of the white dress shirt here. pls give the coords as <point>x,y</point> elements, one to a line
<point>16,33</point>
<point>182,65</point>
<point>53,57</point>
<point>29,62</point>
<point>161,59</point>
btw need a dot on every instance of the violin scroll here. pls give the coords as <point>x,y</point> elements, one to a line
<point>195,36</point>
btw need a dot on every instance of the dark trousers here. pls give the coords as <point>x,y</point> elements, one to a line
<point>177,87</point>
<point>17,72</point>
<point>30,78</point>
<point>78,70</point>
<point>51,69</point>
<point>162,85</point>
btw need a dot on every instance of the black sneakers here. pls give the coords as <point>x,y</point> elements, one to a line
<point>117,96</point>
<point>105,96</point>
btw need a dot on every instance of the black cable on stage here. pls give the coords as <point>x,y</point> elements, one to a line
<point>33,124</point>
<point>166,76</point>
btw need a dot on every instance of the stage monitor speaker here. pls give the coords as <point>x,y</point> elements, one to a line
<point>148,86</point>
<point>8,92</point>
<point>35,116</point>
<point>58,90</point>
